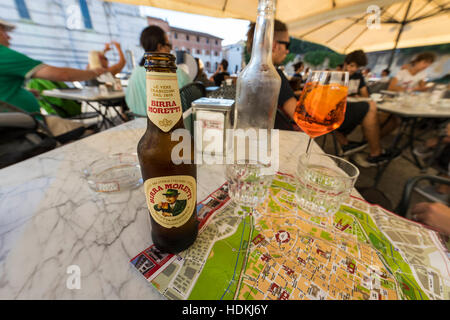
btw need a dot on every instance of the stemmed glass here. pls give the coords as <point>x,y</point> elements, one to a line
<point>322,179</point>
<point>322,103</point>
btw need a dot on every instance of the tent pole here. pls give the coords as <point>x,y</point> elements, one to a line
<point>402,25</point>
<point>224,5</point>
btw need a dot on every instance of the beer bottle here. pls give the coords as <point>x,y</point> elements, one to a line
<point>170,189</point>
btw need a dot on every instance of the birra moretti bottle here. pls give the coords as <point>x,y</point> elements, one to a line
<point>170,188</point>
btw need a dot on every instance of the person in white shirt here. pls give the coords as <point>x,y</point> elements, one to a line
<point>366,74</point>
<point>385,76</point>
<point>412,78</point>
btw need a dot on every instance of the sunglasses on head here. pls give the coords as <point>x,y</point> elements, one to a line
<point>286,43</point>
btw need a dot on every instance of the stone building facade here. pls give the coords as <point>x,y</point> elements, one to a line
<point>62,32</point>
<point>201,45</point>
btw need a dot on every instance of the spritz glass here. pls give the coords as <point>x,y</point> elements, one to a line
<point>322,103</point>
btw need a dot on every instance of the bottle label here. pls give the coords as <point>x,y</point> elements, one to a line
<point>171,200</point>
<point>163,99</point>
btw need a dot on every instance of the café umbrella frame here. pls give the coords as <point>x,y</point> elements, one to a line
<point>342,25</point>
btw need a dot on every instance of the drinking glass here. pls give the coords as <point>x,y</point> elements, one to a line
<point>323,182</point>
<point>248,182</point>
<point>322,103</point>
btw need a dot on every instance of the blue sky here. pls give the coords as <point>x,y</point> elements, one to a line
<point>230,30</point>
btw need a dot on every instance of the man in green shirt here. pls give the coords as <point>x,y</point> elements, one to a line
<point>16,68</point>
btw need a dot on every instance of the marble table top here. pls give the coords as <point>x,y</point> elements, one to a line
<point>415,110</point>
<point>85,94</point>
<point>50,220</point>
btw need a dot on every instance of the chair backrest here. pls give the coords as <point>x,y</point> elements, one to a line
<point>16,120</point>
<point>21,136</point>
<point>190,93</point>
<point>282,121</point>
<point>410,185</point>
<point>378,86</point>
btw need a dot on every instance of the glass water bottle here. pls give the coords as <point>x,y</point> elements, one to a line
<point>258,85</point>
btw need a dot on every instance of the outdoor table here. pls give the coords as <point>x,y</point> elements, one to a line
<point>409,116</point>
<point>211,88</point>
<point>50,220</point>
<point>223,92</point>
<point>90,95</point>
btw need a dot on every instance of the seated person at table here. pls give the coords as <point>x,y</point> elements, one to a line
<point>366,74</point>
<point>297,79</point>
<point>286,97</point>
<point>382,84</point>
<point>363,113</point>
<point>153,39</point>
<point>16,68</point>
<point>435,215</point>
<point>201,75</point>
<point>221,73</point>
<point>385,76</point>
<point>306,74</point>
<point>98,59</point>
<point>412,77</point>
<point>298,67</point>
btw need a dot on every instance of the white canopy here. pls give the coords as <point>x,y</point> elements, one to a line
<point>339,24</point>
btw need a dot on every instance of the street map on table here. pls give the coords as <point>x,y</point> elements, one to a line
<point>280,252</point>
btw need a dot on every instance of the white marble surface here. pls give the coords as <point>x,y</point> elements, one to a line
<point>86,94</point>
<point>50,219</point>
<point>414,110</point>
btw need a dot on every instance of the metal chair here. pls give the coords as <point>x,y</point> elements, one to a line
<point>378,86</point>
<point>190,93</point>
<point>411,185</point>
<point>41,124</point>
<point>22,136</point>
<point>64,114</point>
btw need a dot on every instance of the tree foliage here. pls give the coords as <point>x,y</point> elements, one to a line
<point>301,47</point>
<point>298,47</point>
<point>318,57</point>
<point>315,58</point>
<point>439,48</point>
<point>315,54</point>
<point>289,57</point>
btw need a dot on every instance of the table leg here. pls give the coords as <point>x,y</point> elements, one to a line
<point>402,131</point>
<point>119,114</point>
<point>104,117</point>
<point>411,143</point>
<point>114,104</point>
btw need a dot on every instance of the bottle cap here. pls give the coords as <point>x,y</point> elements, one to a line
<point>160,60</point>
